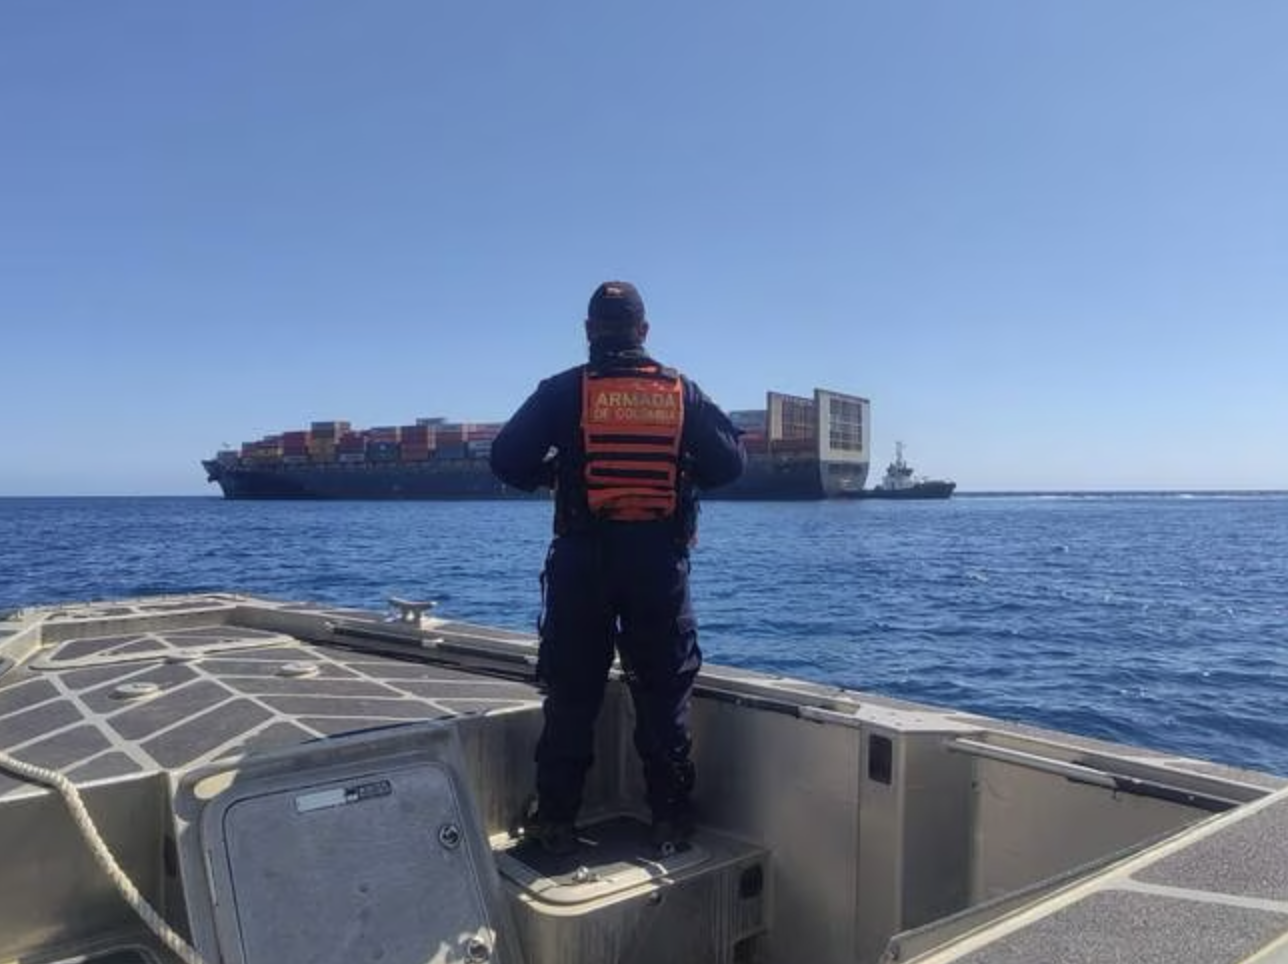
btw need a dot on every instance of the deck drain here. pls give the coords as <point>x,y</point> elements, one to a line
<point>298,670</point>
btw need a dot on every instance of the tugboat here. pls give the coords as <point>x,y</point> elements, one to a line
<point>901,483</point>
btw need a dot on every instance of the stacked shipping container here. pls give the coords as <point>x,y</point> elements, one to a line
<point>295,447</point>
<point>786,425</point>
<point>417,441</point>
<point>322,440</point>
<point>267,448</point>
<point>789,428</point>
<point>340,442</point>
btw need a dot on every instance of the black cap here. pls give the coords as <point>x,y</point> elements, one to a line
<point>616,304</point>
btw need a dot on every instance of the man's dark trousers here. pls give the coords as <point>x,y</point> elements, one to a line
<point>622,585</point>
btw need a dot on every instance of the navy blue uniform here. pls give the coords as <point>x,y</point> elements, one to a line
<point>614,585</point>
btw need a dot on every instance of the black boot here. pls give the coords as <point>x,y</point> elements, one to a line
<point>672,833</point>
<point>670,787</point>
<point>555,836</point>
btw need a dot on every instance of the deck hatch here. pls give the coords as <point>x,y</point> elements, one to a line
<point>336,851</point>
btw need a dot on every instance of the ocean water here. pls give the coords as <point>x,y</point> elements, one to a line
<point>1155,620</point>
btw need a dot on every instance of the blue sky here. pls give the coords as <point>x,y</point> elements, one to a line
<point>1048,240</point>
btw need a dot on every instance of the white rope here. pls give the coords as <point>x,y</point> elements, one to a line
<point>85,824</point>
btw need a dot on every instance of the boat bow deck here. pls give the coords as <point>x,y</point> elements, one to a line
<point>837,826</point>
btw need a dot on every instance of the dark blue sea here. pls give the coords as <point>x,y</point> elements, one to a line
<point>1157,620</point>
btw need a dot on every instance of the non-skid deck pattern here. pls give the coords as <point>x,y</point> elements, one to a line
<point>114,701</point>
<point>1218,896</point>
<point>1150,929</point>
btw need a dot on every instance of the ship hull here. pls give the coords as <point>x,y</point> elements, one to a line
<point>460,479</point>
<point>773,479</point>
<point>920,491</point>
<point>766,479</point>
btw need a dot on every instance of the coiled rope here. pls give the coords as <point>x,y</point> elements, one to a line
<point>102,855</point>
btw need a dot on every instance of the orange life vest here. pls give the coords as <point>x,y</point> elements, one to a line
<point>631,424</point>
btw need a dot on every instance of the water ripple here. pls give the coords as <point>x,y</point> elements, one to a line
<point>1150,620</point>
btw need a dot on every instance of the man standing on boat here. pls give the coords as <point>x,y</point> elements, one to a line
<point>632,444</point>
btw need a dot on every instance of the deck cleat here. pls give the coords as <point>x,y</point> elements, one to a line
<point>408,610</point>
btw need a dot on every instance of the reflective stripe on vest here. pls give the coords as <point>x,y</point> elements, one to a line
<point>631,424</point>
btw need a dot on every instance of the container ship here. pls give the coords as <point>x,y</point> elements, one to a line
<point>798,448</point>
